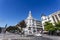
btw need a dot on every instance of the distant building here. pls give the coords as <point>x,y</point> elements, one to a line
<point>33,25</point>
<point>53,18</point>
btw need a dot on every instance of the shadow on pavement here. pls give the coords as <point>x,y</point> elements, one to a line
<point>41,38</point>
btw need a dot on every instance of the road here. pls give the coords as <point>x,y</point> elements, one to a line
<point>51,37</point>
<point>42,38</point>
<point>18,37</point>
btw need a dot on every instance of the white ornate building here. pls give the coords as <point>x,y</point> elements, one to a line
<point>33,25</point>
<point>53,18</point>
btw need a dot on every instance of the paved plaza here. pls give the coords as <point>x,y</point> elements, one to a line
<point>19,37</point>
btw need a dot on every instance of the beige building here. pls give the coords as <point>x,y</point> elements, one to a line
<point>53,18</point>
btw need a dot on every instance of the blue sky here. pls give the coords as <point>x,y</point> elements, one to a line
<point>13,11</point>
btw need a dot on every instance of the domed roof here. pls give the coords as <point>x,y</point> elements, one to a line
<point>43,14</point>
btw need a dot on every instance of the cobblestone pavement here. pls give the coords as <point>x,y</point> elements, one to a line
<point>52,37</point>
<point>18,37</point>
<point>41,38</point>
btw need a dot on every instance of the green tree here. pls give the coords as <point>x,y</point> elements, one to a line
<point>12,29</point>
<point>57,25</point>
<point>21,25</point>
<point>49,26</point>
<point>0,29</point>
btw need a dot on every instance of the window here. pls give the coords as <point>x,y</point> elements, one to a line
<point>59,15</point>
<point>29,28</point>
<point>56,17</point>
<point>53,19</point>
<point>48,17</point>
<point>33,27</point>
<point>34,30</point>
<point>49,20</point>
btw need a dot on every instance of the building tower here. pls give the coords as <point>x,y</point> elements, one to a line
<point>32,25</point>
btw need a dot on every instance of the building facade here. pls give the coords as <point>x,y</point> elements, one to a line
<point>33,25</point>
<point>53,18</point>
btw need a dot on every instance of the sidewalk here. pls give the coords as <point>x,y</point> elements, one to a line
<point>51,37</point>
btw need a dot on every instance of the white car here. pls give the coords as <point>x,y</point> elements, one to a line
<point>38,34</point>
